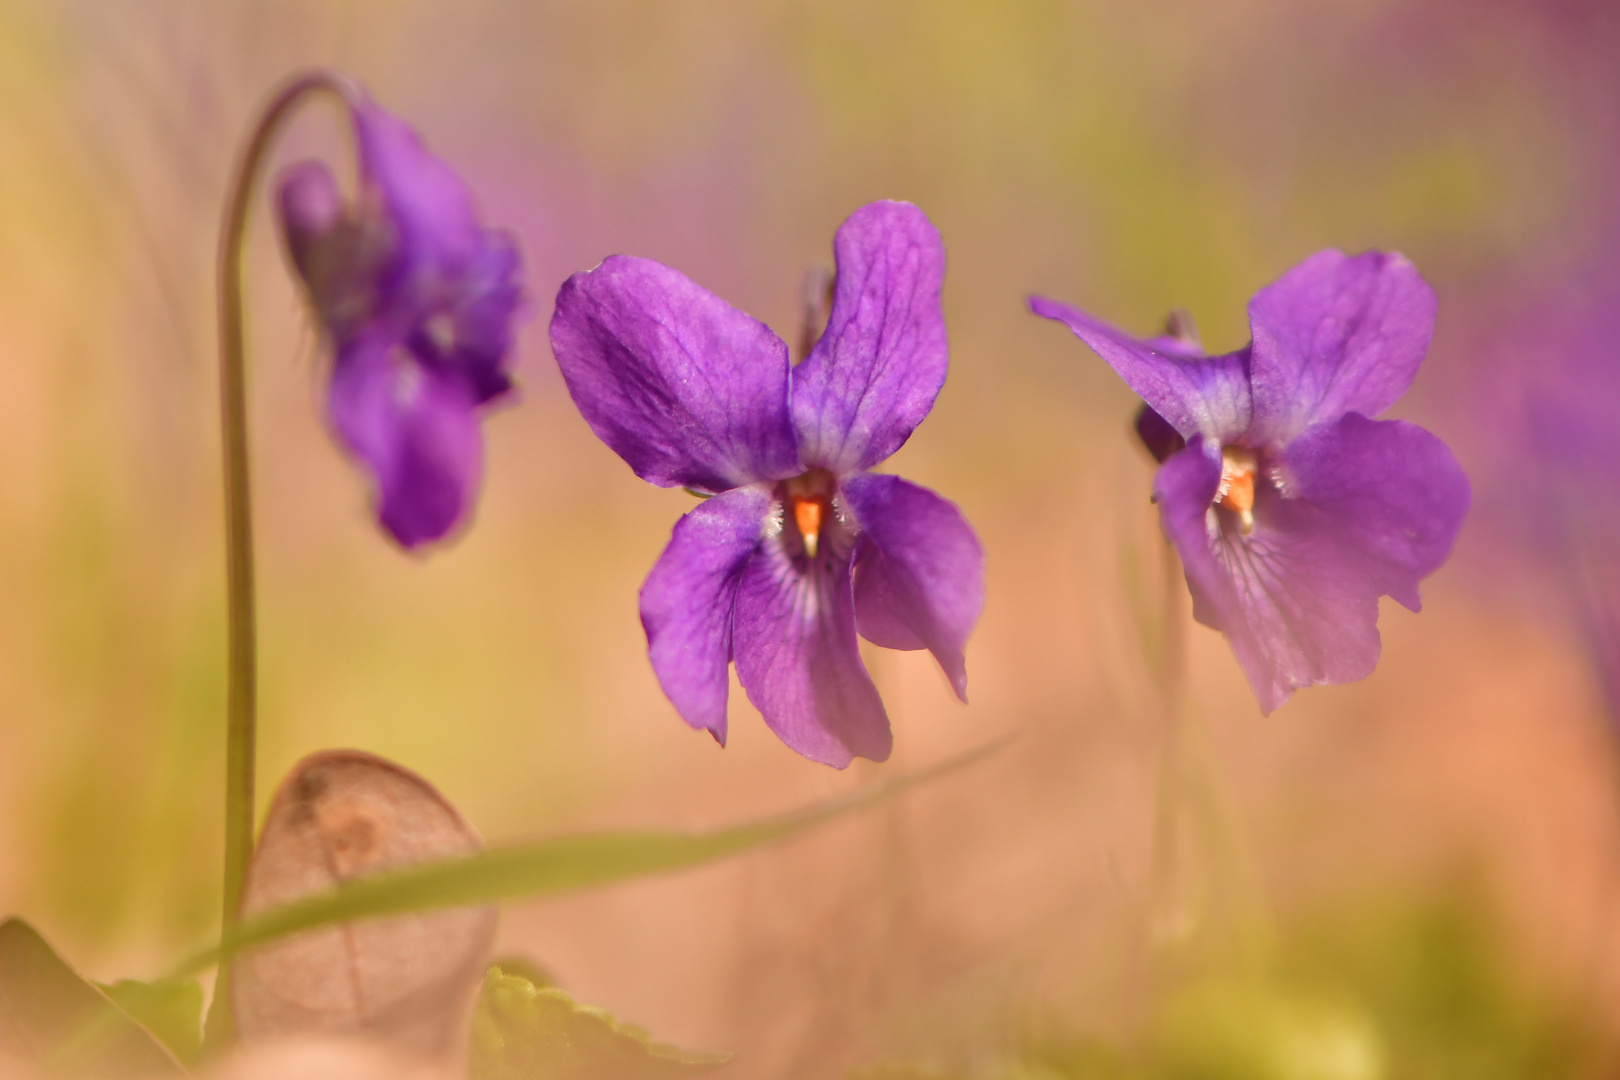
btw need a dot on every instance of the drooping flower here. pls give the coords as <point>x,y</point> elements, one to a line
<point>1292,509</point>
<point>419,300</point>
<point>800,546</point>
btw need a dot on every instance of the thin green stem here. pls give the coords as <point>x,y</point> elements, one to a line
<point>242,675</point>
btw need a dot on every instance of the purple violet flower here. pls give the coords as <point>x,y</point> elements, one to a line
<point>1292,510</point>
<point>800,545</point>
<point>419,301</point>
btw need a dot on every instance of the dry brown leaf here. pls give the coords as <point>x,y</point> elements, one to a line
<point>408,979</point>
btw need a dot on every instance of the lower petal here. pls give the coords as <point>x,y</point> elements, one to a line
<point>687,601</point>
<point>416,431</point>
<point>919,575</point>
<point>793,637</point>
<point>1295,597</point>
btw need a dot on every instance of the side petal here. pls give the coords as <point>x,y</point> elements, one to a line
<point>874,374</point>
<point>687,601</point>
<point>1390,488</point>
<point>793,637</point>
<point>339,261</point>
<point>1184,489</point>
<point>416,431</point>
<point>472,330</point>
<point>687,389</point>
<point>310,208</point>
<point>919,575</point>
<point>1336,334</point>
<point>1197,395</point>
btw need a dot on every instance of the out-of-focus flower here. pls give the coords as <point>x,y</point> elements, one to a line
<point>1549,411</point>
<point>1292,510</point>
<point>800,545</point>
<point>419,301</point>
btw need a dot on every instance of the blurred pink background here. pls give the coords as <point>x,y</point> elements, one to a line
<point>1127,156</point>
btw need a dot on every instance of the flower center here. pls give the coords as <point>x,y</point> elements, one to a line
<point>1236,491</point>
<point>441,330</point>
<point>808,500</point>
<point>407,378</point>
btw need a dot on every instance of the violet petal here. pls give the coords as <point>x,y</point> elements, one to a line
<point>919,573</point>
<point>1298,598</point>
<point>1155,433</point>
<point>311,208</point>
<point>471,331</point>
<point>687,389</point>
<point>877,369</point>
<point>416,431</point>
<point>1336,334</point>
<point>426,202</point>
<point>1206,396</point>
<point>1388,486</point>
<point>793,638</point>
<point>687,601</point>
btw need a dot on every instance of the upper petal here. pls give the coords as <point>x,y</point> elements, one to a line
<point>1336,334</point>
<point>416,431</point>
<point>425,201</point>
<point>1389,487</point>
<point>793,637</point>
<point>683,386</point>
<point>1197,395</point>
<point>919,575</point>
<point>687,600</point>
<point>874,374</point>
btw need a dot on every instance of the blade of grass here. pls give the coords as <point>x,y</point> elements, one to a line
<point>549,866</point>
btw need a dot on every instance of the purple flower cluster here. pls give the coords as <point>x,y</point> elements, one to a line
<point>1292,509</point>
<point>419,301</point>
<point>799,547</point>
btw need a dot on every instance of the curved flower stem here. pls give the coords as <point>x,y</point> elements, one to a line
<point>241,685</point>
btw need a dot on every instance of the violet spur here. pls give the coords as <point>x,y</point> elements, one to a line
<point>419,301</point>
<point>1292,509</point>
<point>800,547</point>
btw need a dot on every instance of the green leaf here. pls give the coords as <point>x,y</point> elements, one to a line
<point>52,1018</point>
<point>527,968</point>
<point>525,1032</point>
<point>549,866</point>
<point>171,1009</point>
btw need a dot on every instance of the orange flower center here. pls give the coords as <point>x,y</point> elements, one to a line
<point>807,514</point>
<point>1236,491</point>
<point>808,502</point>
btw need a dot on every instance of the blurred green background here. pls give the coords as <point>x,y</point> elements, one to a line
<point>1127,156</point>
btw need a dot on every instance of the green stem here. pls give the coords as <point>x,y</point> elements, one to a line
<point>241,686</point>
